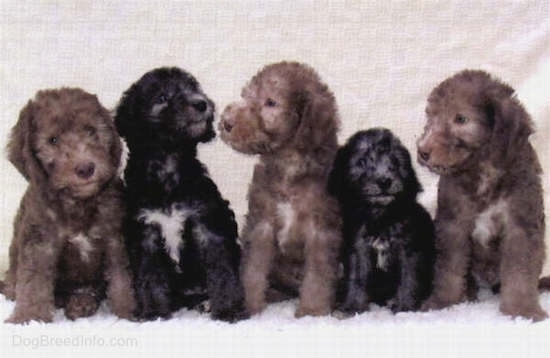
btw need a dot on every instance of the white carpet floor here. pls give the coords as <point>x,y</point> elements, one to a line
<point>459,331</point>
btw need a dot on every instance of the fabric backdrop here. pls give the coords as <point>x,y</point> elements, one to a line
<point>380,58</point>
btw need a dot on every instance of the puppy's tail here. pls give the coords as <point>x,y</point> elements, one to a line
<point>544,283</point>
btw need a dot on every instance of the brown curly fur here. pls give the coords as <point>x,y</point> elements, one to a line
<point>490,215</point>
<point>67,248</point>
<point>292,232</point>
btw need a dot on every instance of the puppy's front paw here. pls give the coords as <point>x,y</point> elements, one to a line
<point>81,305</point>
<point>396,305</point>
<point>534,313</point>
<point>303,311</point>
<point>8,289</point>
<point>21,316</point>
<point>255,307</point>
<point>232,314</point>
<point>434,303</point>
<point>154,304</point>
<point>352,307</point>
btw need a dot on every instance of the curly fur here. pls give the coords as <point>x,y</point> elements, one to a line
<point>181,233</point>
<point>490,219</point>
<point>67,248</point>
<point>388,250</point>
<point>292,234</point>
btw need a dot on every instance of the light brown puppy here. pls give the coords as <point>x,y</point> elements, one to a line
<point>292,232</point>
<point>490,215</point>
<point>67,249</point>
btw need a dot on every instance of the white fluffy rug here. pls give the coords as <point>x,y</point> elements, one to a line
<point>460,331</point>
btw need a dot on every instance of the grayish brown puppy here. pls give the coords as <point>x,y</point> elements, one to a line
<point>67,249</point>
<point>490,215</point>
<point>292,232</point>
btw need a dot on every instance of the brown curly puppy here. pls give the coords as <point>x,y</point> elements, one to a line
<point>67,248</point>
<point>292,232</point>
<point>490,219</point>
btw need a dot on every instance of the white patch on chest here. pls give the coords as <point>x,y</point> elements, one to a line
<point>286,216</point>
<point>381,247</point>
<point>488,224</point>
<point>82,243</point>
<point>171,222</point>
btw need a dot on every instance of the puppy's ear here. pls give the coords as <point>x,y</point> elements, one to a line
<point>337,176</point>
<point>408,173</point>
<point>126,112</point>
<point>115,151</point>
<point>318,120</point>
<point>511,127</point>
<point>19,149</point>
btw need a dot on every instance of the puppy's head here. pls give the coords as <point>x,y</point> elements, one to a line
<point>471,116</point>
<point>285,104</point>
<point>65,140</point>
<point>374,167</point>
<point>165,106</point>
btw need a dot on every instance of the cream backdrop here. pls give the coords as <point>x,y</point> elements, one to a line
<point>380,58</point>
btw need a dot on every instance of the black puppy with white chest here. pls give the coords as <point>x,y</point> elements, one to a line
<point>388,251</point>
<point>181,234</point>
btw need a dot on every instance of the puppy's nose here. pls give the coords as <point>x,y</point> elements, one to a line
<point>227,126</point>
<point>424,154</point>
<point>200,105</point>
<point>85,170</point>
<point>383,183</point>
<point>227,122</point>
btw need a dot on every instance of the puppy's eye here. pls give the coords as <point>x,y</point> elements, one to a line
<point>90,131</point>
<point>460,119</point>
<point>362,162</point>
<point>53,140</point>
<point>270,103</point>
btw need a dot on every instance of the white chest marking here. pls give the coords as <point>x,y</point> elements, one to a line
<point>381,247</point>
<point>172,223</point>
<point>489,222</point>
<point>83,244</point>
<point>286,216</point>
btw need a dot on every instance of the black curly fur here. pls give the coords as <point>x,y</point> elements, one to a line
<point>376,186</point>
<point>163,116</point>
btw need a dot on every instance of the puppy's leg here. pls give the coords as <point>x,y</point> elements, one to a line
<point>258,254</point>
<point>406,298</point>
<point>521,265</point>
<point>357,267</point>
<point>120,293</point>
<point>225,291</point>
<point>9,283</point>
<point>152,277</point>
<point>34,291</point>
<point>451,266</point>
<point>318,288</point>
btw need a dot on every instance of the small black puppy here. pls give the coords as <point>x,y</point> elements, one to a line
<point>388,250</point>
<point>181,234</point>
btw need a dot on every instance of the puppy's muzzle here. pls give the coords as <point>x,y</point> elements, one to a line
<point>85,170</point>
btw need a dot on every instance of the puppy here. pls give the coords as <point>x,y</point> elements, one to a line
<point>388,250</point>
<point>292,234</point>
<point>181,234</point>
<point>490,219</point>
<point>67,248</point>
